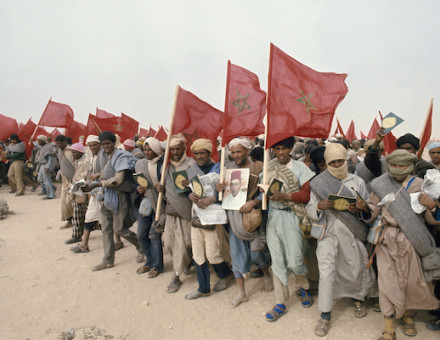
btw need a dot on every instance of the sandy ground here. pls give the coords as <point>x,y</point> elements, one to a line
<point>46,290</point>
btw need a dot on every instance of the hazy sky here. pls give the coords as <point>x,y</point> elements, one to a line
<point>129,55</point>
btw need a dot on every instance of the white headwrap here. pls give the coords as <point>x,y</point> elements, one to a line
<point>240,141</point>
<point>92,139</point>
<point>155,145</point>
<point>177,139</point>
<point>335,151</point>
<point>42,138</point>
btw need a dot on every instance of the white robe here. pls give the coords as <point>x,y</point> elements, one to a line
<point>342,258</point>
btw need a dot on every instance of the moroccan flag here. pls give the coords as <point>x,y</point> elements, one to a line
<point>350,135</point>
<point>245,104</point>
<point>76,130</point>
<point>103,114</point>
<point>26,131</point>
<point>196,119</point>
<point>427,130</point>
<point>108,124</point>
<point>56,115</point>
<point>301,101</point>
<point>91,128</point>
<point>143,132</point>
<point>374,127</point>
<point>8,127</point>
<point>390,143</point>
<point>363,136</point>
<point>54,134</point>
<point>151,132</point>
<point>339,128</point>
<point>161,134</point>
<point>130,126</point>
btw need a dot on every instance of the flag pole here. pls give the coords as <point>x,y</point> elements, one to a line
<point>167,152</point>
<point>222,171</point>
<point>265,167</point>
<point>420,151</point>
<point>97,126</point>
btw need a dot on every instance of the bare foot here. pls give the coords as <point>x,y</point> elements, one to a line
<point>268,284</point>
<point>241,297</point>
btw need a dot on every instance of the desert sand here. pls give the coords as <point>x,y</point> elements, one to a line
<point>46,290</point>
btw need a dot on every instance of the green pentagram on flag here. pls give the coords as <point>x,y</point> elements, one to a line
<point>190,138</point>
<point>241,102</point>
<point>306,100</point>
<point>118,127</point>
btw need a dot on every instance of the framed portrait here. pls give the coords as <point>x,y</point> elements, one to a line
<point>236,186</point>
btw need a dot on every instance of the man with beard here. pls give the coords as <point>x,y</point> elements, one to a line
<point>246,247</point>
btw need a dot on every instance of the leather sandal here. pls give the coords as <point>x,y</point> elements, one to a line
<point>387,336</point>
<point>102,266</point>
<point>408,327</point>
<point>143,269</point>
<point>277,312</point>
<point>322,327</point>
<point>153,273</point>
<point>79,249</point>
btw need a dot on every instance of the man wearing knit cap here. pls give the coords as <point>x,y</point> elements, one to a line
<point>342,256</point>
<point>177,234</point>
<point>287,222</point>
<point>149,232</point>
<point>93,211</point>
<point>406,142</point>
<point>246,247</point>
<point>434,153</point>
<point>44,158</point>
<point>67,170</point>
<point>79,202</point>
<point>208,245</point>
<point>117,212</point>
<point>407,258</point>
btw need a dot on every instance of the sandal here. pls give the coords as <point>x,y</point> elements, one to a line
<point>102,266</point>
<point>196,294</point>
<point>359,310</point>
<point>143,269</point>
<point>119,245</point>
<point>306,298</point>
<point>174,285</point>
<point>322,327</point>
<point>79,249</point>
<point>153,273</point>
<point>387,336</point>
<point>434,325</point>
<point>408,326</point>
<point>277,311</point>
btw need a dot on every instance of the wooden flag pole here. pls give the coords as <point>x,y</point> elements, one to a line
<point>420,151</point>
<point>222,171</point>
<point>97,126</point>
<point>167,152</point>
<point>265,167</point>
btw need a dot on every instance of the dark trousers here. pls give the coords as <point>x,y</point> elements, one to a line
<point>151,242</point>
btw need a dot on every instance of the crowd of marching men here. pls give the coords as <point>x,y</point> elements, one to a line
<point>344,219</point>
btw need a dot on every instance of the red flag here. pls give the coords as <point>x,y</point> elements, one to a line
<point>26,131</point>
<point>350,135</point>
<point>390,143</point>
<point>8,127</point>
<point>103,114</point>
<point>363,136</point>
<point>56,115</point>
<point>197,119</point>
<point>108,124</point>
<point>339,128</point>
<point>130,126</point>
<point>54,134</point>
<point>76,130</point>
<point>427,130</point>
<point>151,132</point>
<point>161,134</point>
<point>301,101</point>
<point>374,127</point>
<point>91,128</point>
<point>245,104</point>
<point>143,132</point>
